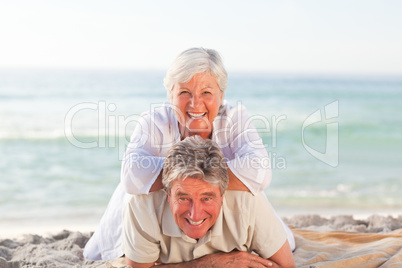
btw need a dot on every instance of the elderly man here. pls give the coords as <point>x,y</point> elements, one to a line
<point>195,223</point>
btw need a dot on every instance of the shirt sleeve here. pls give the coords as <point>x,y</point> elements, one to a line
<point>139,230</point>
<point>243,148</point>
<point>143,161</point>
<point>269,234</point>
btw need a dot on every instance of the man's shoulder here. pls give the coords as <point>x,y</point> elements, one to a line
<point>147,203</point>
<point>241,200</point>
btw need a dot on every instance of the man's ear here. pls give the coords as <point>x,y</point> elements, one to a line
<point>168,195</point>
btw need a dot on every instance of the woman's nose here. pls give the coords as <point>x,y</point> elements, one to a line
<point>195,101</point>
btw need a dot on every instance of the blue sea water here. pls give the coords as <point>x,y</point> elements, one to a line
<point>335,142</point>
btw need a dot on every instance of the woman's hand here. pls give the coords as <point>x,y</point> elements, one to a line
<point>235,183</point>
<point>158,185</point>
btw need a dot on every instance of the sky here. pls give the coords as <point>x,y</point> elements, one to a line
<point>304,36</point>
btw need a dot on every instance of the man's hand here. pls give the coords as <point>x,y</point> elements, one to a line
<point>234,259</point>
<point>235,183</point>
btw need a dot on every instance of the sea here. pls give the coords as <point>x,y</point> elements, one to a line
<point>334,141</point>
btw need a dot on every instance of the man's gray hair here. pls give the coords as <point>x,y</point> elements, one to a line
<point>195,157</point>
<point>193,61</point>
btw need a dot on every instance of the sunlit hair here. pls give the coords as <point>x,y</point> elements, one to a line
<point>193,61</point>
<point>195,158</point>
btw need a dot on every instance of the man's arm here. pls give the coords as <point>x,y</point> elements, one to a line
<point>232,259</point>
<point>269,238</point>
<point>284,257</point>
<point>134,264</point>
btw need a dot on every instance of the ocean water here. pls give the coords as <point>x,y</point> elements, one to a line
<point>335,142</point>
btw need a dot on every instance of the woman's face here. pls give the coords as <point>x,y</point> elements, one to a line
<point>197,104</point>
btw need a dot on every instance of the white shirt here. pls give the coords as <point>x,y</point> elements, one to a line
<point>245,223</point>
<point>158,130</point>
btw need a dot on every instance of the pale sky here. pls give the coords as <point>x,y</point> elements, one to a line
<point>305,36</point>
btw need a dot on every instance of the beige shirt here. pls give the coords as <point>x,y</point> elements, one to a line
<point>246,223</point>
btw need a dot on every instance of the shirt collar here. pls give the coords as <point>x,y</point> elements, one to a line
<point>169,226</point>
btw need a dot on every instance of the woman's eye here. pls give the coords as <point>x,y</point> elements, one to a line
<point>184,92</point>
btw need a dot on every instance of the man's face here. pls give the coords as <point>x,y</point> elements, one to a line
<point>195,205</point>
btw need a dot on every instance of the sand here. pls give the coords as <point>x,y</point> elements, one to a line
<point>64,249</point>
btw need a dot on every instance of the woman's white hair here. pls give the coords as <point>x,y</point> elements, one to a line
<point>193,61</point>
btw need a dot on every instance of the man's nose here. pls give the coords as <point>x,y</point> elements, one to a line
<point>196,211</point>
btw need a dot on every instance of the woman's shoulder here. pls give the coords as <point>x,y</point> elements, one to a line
<point>160,121</point>
<point>229,110</point>
<point>159,110</point>
<point>230,115</point>
<point>160,114</point>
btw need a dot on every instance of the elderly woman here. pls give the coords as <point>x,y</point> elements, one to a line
<point>196,83</point>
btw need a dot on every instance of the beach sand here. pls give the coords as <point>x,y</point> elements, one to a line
<point>337,241</point>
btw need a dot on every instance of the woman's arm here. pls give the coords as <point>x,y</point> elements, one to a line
<point>234,183</point>
<point>143,161</point>
<point>157,185</point>
<point>243,148</point>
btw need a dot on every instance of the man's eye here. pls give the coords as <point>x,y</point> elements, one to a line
<point>184,92</point>
<point>207,198</point>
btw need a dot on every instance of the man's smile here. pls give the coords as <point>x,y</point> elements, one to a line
<point>196,115</point>
<point>195,222</point>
